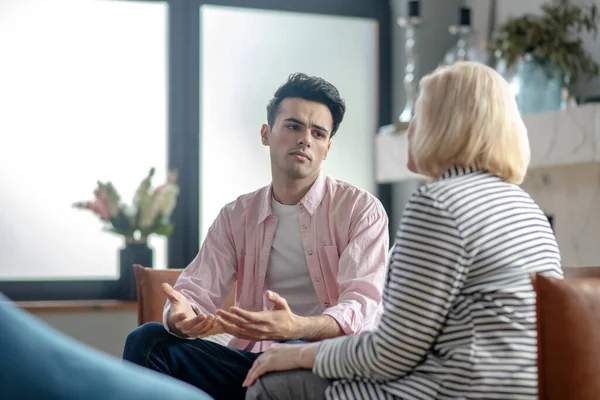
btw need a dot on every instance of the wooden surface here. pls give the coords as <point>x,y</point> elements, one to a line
<point>77,305</point>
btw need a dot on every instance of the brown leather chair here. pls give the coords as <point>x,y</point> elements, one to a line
<point>581,272</point>
<point>568,325</point>
<point>151,299</point>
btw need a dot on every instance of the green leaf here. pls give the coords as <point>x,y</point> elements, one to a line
<point>164,229</point>
<point>553,35</point>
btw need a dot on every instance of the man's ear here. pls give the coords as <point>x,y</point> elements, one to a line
<point>264,134</point>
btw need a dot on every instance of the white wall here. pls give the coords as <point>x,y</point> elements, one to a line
<point>246,55</point>
<point>103,330</point>
<point>571,194</point>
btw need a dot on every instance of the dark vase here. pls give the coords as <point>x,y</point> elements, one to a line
<point>134,252</point>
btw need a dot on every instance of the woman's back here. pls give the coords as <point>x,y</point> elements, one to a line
<point>486,344</point>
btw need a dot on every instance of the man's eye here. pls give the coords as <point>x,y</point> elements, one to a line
<point>293,127</point>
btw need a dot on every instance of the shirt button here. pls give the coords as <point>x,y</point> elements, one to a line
<point>327,304</point>
<point>317,280</point>
<point>310,252</point>
<point>304,226</point>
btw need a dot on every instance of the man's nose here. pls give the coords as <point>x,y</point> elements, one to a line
<point>305,138</point>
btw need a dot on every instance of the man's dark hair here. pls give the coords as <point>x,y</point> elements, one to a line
<point>309,88</point>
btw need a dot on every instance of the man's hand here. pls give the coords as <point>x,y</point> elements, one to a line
<point>182,319</point>
<point>279,323</point>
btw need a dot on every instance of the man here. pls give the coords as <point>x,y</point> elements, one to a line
<point>316,244</point>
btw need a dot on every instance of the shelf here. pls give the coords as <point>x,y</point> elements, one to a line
<point>77,305</point>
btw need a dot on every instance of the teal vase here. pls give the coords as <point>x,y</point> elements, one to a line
<point>540,86</point>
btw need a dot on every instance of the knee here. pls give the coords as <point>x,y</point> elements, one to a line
<point>139,341</point>
<point>296,384</point>
<point>145,334</point>
<point>257,392</point>
<point>267,387</point>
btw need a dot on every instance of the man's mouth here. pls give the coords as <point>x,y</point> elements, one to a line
<point>300,154</point>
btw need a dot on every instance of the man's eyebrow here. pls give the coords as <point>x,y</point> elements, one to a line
<point>297,121</point>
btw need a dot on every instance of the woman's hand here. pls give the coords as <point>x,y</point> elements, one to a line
<point>282,357</point>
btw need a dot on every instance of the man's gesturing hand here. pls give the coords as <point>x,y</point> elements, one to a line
<point>182,319</point>
<point>279,323</point>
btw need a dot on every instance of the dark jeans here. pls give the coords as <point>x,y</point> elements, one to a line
<point>216,369</point>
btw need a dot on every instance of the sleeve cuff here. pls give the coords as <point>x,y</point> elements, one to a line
<point>347,319</point>
<point>331,361</point>
<point>165,319</point>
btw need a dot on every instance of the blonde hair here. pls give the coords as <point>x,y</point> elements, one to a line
<point>466,116</point>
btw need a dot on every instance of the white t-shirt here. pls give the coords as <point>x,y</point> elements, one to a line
<point>287,273</point>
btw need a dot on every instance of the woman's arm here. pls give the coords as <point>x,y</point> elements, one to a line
<point>427,272</point>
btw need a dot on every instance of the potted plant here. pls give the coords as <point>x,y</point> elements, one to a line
<point>148,214</point>
<point>548,52</point>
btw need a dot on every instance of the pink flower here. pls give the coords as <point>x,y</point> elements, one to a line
<point>100,205</point>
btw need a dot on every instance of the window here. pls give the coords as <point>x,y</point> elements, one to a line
<point>84,98</point>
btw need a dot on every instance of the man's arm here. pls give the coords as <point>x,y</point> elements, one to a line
<point>362,270</point>
<point>182,320</point>
<point>317,328</point>
<point>209,278</point>
<point>279,323</point>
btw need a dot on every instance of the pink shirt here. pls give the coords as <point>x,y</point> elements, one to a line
<point>344,233</point>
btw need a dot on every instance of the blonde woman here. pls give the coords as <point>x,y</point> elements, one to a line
<point>459,318</point>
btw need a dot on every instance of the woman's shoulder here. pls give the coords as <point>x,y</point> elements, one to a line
<point>455,193</point>
<point>472,201</point>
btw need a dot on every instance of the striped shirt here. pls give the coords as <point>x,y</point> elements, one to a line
<point>459,319</point>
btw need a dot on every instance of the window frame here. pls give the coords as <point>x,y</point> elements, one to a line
<point>183,139</point>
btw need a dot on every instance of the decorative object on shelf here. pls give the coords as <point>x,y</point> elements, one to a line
<point>540,85</point>
<point>410,24</point>
<point>468,46</point>
<point>149,214</point>
<point>133,252</point>
<point>548,52</point>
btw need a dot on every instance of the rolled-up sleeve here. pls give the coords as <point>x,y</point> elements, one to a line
<point>208,279</point>
<point>427,272</point>
<point>361,271</point>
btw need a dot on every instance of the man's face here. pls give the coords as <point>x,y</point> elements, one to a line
<point>299,139</point>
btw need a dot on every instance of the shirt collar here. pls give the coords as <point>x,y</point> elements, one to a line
<point>310,202</point>
<point>455,171</point>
